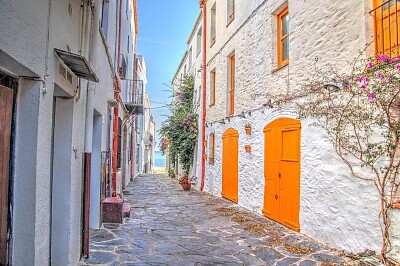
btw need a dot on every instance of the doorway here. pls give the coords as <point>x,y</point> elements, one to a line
<point>230,165</point>
<point>6,115</point>
<point>282,172</point>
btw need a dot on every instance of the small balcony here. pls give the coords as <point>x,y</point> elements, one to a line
<point>134,98</point>
<point>386,27</point>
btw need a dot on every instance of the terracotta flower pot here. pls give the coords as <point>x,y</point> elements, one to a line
<point>248,130</point>
<point>247,148</point>
<point>186,185</point>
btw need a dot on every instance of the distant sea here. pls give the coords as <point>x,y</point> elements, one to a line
<point>159,159</point>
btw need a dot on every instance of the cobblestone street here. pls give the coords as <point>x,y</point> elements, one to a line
<point>169,226</point>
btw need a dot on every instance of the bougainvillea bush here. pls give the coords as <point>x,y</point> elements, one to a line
<point>359,112</point>
<point>181,127</point>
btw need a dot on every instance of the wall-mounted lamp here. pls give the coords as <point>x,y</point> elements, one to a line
<point>333,86</point>
<point>222,121</point>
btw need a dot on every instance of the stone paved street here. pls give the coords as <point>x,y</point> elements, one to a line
<point>169,226</point>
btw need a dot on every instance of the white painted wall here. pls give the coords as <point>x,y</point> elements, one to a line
<point>336,208</point>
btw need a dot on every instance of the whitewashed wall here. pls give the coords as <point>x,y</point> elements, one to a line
<point>335,208</point>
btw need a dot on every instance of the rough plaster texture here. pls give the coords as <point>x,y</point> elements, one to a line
<point>335,208</point>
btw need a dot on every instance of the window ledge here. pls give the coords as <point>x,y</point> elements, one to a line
<point>279,68</point>
<point>211,105</point>
<point>230,22</point>
<point>212,42</point>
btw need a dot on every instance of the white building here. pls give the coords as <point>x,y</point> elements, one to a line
<point>248,56</point>
<point>63,77</point>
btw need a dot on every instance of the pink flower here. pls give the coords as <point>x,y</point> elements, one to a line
<point>363,86</point>
<point>372,95</point>
<point>379,75</point>
<point>398,67</point>
<point>370,65</point>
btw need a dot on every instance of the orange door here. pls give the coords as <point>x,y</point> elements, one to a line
<point>6,103</point>
<point>282,172</point>
<point>230,165</point>
<point>387,28</point>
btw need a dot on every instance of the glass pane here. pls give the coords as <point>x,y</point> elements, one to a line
<point>285,24</point>
<point>285,49</point>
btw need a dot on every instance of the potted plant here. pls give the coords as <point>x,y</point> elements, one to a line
<point>171,173</point>
<point>247,148</point>
<point>247,127</point>
<point>186,182</point>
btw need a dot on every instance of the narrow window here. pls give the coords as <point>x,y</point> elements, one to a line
<point>212,87</point>
<point>211,149</point>
<point>184,71</point>
<point>119,149</point>
<point>231,10</point>
<point>190,57</point>
<point>213,31</point>
<point>199,33</point>
<point>104,17</point>
<point>231,93</point>
<point>283,37</point>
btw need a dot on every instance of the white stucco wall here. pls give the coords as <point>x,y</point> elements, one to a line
<point>335,208</point>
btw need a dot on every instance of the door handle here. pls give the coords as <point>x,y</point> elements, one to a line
<point>279,174</point>
<point>276,196</point>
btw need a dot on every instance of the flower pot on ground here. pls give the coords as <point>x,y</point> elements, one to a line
<point>247,148</point>
<point>247,128</point>
<point>186,182</point>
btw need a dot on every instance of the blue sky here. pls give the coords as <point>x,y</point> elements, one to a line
<point>164,27</point>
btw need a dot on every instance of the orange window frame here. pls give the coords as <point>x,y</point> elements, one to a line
<point>212,149</point>
<point>212,91</point>
<point>281,61</point>
<point>386,32</point>
<point>231,106</point>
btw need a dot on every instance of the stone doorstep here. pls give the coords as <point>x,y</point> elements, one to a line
<point>126,207</point>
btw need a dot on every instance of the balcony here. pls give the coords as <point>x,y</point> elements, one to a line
<point>134,98</point>
<point>386,27</point>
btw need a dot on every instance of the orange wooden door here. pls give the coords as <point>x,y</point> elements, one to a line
<point>230,165</point>
<point>387,27</point>
<point>282,172</point>
<point>6,103</point>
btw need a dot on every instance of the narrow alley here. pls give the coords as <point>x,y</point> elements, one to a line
<point>169,226</point>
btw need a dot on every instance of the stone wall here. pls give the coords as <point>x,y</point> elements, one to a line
<point>335,208</point>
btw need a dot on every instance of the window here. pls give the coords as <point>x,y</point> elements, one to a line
<point>212,87</point>
<point>190,57</point>
<point>283,37</point>
<point>386,15</point>
<point>231,91</point>
<point>104,17</point>
<point>213,31</point>
<point>231,10</point>
<point>199,41</point>
<point>211,149</point>
<point>184,71</point>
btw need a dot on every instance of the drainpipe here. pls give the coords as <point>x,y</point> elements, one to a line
<point>203,4</point>
<point>116,109</point>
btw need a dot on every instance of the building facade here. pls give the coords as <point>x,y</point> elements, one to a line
<point>69,91</point>
<point>259,48</point>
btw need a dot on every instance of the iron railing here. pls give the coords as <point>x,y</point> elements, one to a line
<point>386,28</point>
<point>134,100</point>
